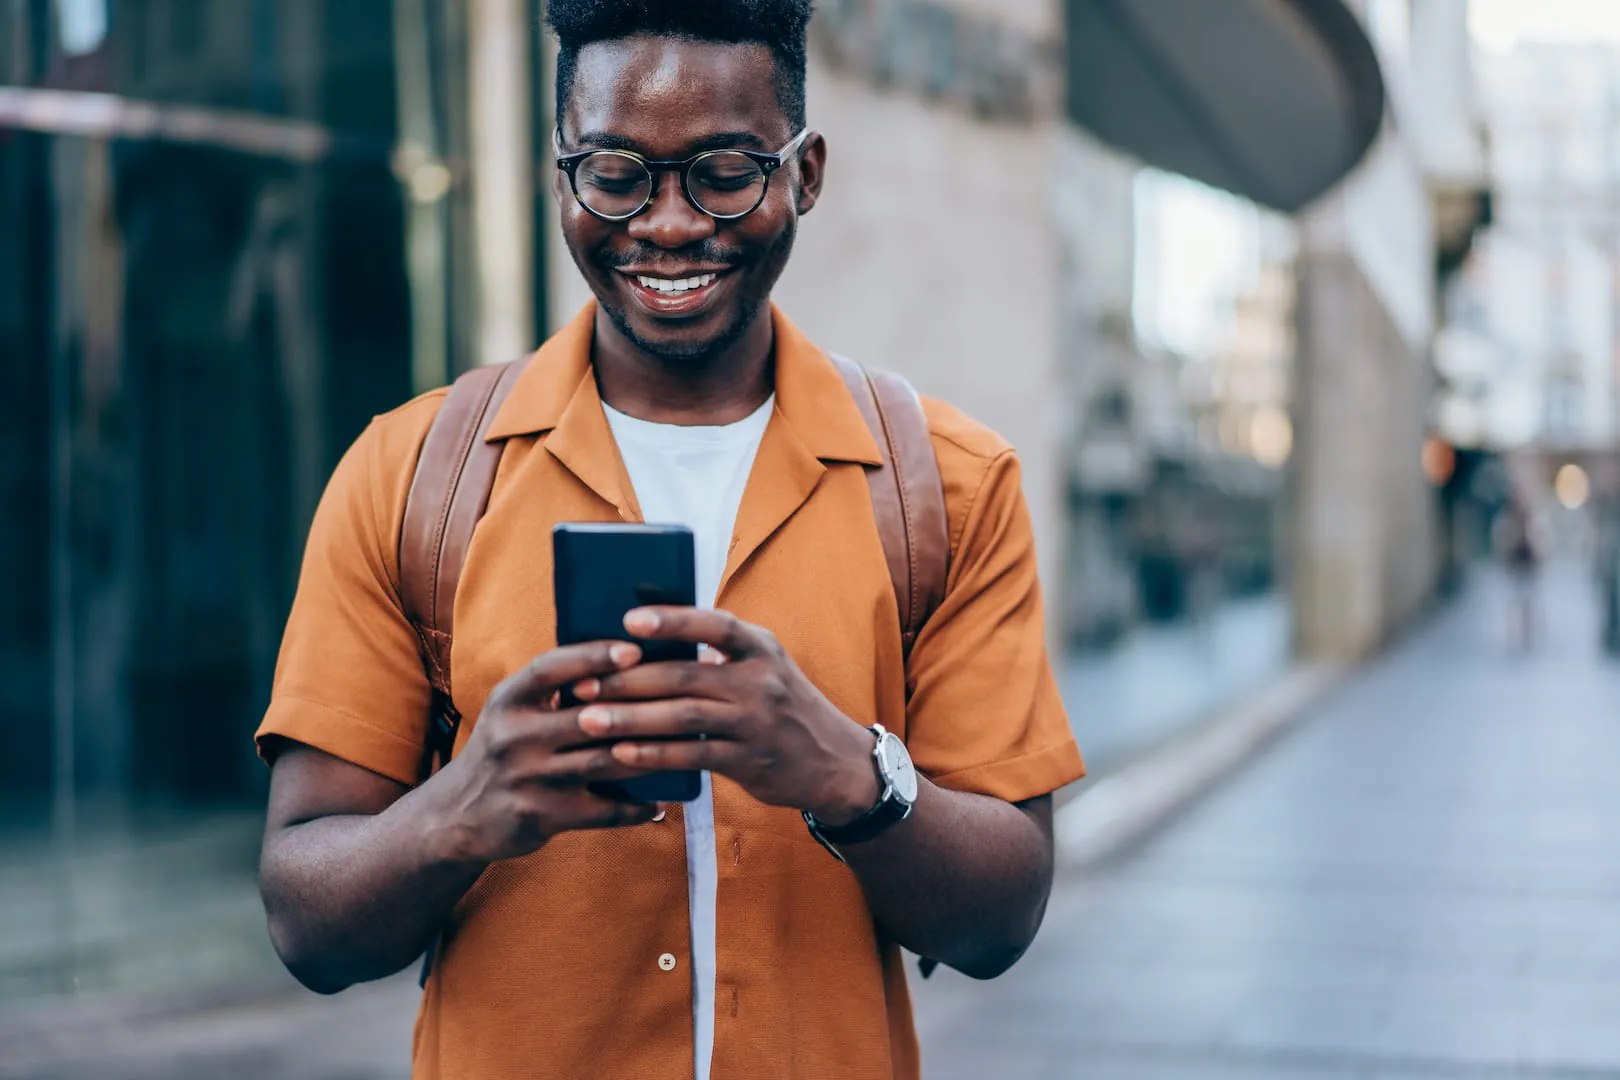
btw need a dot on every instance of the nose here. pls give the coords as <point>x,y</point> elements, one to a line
<point>670,220</point>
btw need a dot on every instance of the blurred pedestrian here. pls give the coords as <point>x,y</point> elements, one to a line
<point>856,800</point>
<point>1203,566</point>
<point>1606,567</point>
<point>1519,547</point>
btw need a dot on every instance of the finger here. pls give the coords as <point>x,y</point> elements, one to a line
<point>576,768</point>
<point>715,755</point>
<point>702,626</point>
<point>649,682</point>
<point>585,811</point>
<point>671,718</point>
<point>525,737</point>
<point>551,671</point>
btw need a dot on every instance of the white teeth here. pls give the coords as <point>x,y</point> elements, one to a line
<point>676,286</point>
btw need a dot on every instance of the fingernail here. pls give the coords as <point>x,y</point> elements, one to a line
<point>596,721</point>
<point>624,654</point>
<point>641,623</point>
<point>626,753</point>
<point>589,690</point>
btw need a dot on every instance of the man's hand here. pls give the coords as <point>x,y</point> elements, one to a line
<point>522,777</point>
<point>359,872</point>
<point>755,717</point>
<point>964,881</point>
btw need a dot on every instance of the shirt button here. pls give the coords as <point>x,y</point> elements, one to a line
<point>661,815</point>
<point>667,962</point>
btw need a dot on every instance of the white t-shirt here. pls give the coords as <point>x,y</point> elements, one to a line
<point>695,476</point>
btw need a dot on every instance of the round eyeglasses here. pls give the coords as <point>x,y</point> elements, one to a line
<point>616,185</point>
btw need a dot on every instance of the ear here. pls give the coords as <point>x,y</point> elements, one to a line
<point>812,171</point>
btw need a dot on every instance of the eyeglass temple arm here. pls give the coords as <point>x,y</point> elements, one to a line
<point>793,144</point>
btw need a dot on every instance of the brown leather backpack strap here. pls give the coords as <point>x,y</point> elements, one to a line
<point>908,496</point>
<point>908,500</point>
<point>449,493</point>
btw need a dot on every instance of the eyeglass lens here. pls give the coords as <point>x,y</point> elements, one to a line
<point>724,184</point>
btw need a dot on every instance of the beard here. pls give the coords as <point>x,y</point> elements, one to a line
<point>687,352</point>
<point>760,269</point>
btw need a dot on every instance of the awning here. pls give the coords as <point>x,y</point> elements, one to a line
<point>1275,100</point>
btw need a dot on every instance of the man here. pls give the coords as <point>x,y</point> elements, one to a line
<point>588,938</point>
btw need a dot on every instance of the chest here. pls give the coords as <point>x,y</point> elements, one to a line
<point>698,483</point>
<point>817,580</point>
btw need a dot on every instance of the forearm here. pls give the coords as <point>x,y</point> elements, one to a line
<point>356,898</point>
<point>963,881</point>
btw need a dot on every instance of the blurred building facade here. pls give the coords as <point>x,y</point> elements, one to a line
<point>233,233</point>
<point>225,308</point>
<point>1367,530</point>
<point>1534,355</point>
<point>1177,321</point>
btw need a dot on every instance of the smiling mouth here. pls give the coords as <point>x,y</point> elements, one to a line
<point>675,286</point>
<point>673,295</point>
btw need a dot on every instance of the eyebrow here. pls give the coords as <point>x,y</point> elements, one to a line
<point>720,140</point>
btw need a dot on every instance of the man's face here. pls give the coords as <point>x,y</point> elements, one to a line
<point>668,99</point>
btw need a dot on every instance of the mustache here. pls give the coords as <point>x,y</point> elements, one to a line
<point>647,256</point>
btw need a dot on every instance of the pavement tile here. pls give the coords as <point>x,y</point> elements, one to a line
<point>1419,881</point>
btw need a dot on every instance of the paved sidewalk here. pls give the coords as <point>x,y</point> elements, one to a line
<point>1422,881</point>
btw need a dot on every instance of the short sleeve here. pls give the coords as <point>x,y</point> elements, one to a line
<point>985,715</point>
<point>349,679</point>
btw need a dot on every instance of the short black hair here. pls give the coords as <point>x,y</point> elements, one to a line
<point>779,25</point>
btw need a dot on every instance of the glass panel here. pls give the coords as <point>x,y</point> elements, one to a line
<point>232,230</point>
<point>1175,575</point>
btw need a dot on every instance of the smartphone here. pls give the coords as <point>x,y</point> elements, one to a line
<point>602,573</point>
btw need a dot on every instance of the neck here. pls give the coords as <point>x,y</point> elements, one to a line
<point>721,388</point>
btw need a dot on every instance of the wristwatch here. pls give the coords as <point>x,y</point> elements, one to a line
<point>899,778</point>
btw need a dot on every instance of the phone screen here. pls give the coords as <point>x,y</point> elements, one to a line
<point>603,572</point>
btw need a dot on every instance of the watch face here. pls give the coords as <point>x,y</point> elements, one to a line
<point>897,768</point>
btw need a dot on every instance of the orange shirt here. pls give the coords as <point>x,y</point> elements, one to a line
<point>554,965</point>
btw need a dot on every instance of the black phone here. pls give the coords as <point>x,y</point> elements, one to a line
<point>602,573</point>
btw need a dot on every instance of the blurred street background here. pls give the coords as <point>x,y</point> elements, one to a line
<point>1303,314</point>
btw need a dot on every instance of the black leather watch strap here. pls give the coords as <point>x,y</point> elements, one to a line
<point>869,826</point>
<point>893,807</point>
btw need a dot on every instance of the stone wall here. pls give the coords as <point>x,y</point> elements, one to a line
<point>1366,553</point>
<point>933,253</point>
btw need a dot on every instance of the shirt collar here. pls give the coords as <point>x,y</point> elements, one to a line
<point>557,393</point>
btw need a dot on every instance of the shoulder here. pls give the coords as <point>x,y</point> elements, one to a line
<point>978,467</point>
<point>398,434</point>
<point>391,444</point>
<point>957,433</point>
<point>365,497</point>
